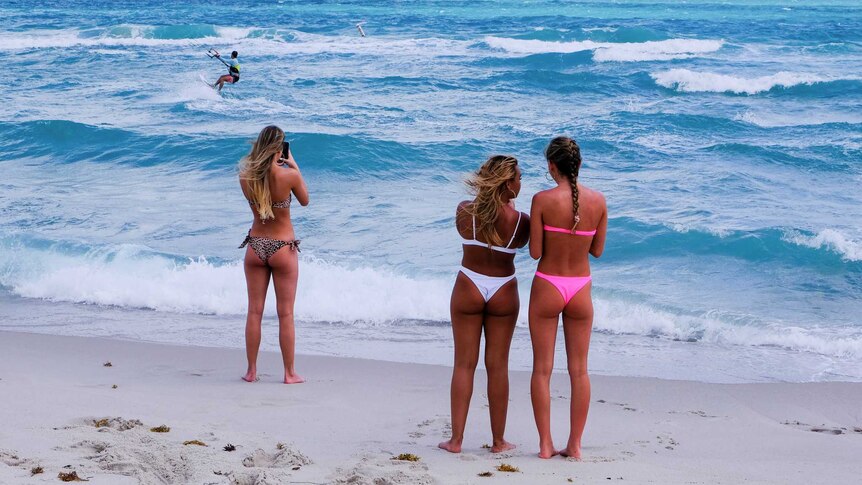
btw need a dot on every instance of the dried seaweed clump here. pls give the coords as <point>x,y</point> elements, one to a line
<point>161,429</point>
<point>229,447</point>
<point>280,446</point>
<point>114,386</point>
<point>505,467</point>
<point>108,364</point>
<point>36,470</point>
<point>486,474</point>
<point>406,457</point>
<point>101,423</point>
<point>194,442</point>
<point>70,477</point>
<point>486,446</point>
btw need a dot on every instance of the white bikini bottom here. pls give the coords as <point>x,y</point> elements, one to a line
<point>487,285</point>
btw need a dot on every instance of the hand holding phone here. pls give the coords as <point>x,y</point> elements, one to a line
<point>285,156</point>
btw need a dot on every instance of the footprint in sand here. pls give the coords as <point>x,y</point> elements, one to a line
<point>287,457</point>
<point>671,443</point>
<point>819,429</point>
<point>381,469</point>
<point>136,453</point>
<point>443,425</point>
<point>828,430</point>
<point>11,458</point>
<point>116,423</point>
<point>623,405</point>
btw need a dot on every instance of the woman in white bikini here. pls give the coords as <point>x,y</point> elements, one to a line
<point>485,297</point>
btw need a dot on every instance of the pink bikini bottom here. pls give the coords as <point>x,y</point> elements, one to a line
<point>568,286</point>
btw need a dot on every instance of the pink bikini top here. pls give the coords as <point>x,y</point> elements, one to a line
<point>569,231</point>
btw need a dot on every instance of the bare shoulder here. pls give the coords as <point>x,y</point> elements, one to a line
<point>284,173</point>
<point>461,216</point>
<point>595,195</point>
<point>541,197</point>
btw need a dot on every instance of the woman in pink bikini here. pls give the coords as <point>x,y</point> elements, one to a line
<point>485,296</point>
<point>269,178</point>
<point>567,224</point>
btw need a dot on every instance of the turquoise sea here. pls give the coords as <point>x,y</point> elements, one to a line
<point>727,137</point>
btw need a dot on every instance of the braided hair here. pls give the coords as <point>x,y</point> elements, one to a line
<point>565,154</point>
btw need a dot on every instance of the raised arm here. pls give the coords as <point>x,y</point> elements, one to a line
<point>598,245</point>
<point>297,182</point>
<point>536,228</point>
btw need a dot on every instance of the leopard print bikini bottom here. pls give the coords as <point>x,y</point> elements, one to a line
<point>265,247</point>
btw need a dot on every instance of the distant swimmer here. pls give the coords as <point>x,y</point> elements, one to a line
<point>232,64</point>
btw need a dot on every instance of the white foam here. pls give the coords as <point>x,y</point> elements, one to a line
<point>619,317</point>
<point>134,36</point>
<point>133,276</point>
<point>660,50</point>
<point>765,119</point>
<point>685,80</point>
<point>829,239</point>
<point>260,41</point>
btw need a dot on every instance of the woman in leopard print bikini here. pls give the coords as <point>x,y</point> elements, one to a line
<point>269,172</point>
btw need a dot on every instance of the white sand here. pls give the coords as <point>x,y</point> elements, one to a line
<point>345,424</point>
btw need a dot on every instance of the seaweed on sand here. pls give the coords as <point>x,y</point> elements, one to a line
<point>406,457</point>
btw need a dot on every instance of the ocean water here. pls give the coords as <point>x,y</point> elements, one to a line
<point>727,137</point>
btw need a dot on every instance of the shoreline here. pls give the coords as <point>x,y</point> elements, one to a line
<point>354,415</point>
<point>611,354</point>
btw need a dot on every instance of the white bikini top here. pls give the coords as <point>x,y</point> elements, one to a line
<point>507,249</point>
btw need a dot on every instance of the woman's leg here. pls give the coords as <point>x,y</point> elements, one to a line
<point>285,272</point>
<point>257,281</point>
<point>466,308</point>
<point>577,327</point>
<point>545,307</point>
<point>501,315</point>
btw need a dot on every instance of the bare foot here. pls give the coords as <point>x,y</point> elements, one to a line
<point>250,376</point>
<point>547,451</point>
<point>293,379</point>
<point>574,453</point>
<point>451,446</point>
<point>502,446</point>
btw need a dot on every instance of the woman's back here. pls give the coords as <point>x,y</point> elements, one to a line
<point>512,227</point>
<point>283,181</point>
<point>563,251</point>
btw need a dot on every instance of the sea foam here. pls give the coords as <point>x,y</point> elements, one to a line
<point>133,276</point>
<point>660,50</point>
<point>685,80</point>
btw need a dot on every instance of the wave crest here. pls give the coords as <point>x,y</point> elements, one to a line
<point>684,80</point>
<point>659,50</point>
<point>831,240</point>
<point>136,277</point>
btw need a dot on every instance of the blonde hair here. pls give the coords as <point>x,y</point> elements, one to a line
<point>488,184</point>
<point>254,169</point>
